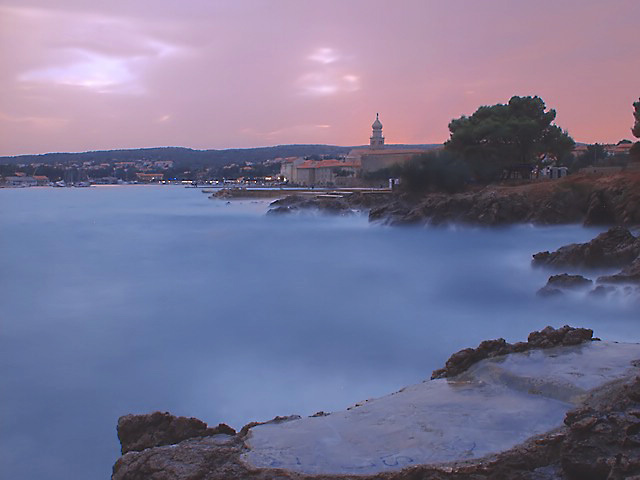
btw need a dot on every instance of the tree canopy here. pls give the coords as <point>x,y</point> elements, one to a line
<point>517,132</point>
<point>636,115</point>
<point>635,148</point>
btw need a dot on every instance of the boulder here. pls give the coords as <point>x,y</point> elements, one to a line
<point>548,291</point>
<point>613,248</point>
<point>629,274</point>
<point>138,432</point>
<point>545,338</point>
<point>598,440</point>
<point>602,291</point>
<point>602,443</point>
<point>571,282</point>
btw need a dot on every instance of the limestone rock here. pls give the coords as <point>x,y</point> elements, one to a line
<point>545,338</point>
<point>138,432</point>
<point>629,274</point>
<point>565,280</point>
<point>557,283</point>
<point>600,438</point>
<point>613,248</point>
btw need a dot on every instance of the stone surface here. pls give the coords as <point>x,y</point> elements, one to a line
<point>565,280</point>
<point>612,200</point>
<point>138,432</point>
<point>495,405</point>
<point>545,338</point>
<point>614,248</point>
<point>629,274</point>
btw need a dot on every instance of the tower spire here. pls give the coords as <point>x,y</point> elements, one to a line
<point>376,141</point>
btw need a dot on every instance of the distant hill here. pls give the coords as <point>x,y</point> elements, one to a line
<point>186,156</point>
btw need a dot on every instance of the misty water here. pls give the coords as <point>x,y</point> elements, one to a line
<point>119,300</point>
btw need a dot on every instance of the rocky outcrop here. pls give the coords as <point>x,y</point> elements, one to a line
<point>603,438</point>
<point>336,203</point>
<point>557,283</point>
<point>585,199</point>
<point>599,440</point>
<point>617,247</point>
<point>613,248</point>
<point>613,200</point>
<point>545,338</point>
<point>629,274</point>
<point>138,432</point>
<point>293,203</point>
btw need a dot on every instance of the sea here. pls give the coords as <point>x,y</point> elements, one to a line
<point>132,299</point>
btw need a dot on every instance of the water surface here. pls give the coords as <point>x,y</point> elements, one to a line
<point>120,300</point>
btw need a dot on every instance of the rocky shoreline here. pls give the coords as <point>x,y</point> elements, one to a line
<point>587,199</point>
<point>599,438</point>
<point>610,200</point>
<point>615,248</point>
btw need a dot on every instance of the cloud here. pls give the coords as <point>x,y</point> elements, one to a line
<point>324,56</point>
<point>98,53</point>
<point>329,76</point>
<point>91,70</point>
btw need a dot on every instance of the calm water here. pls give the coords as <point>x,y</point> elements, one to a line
<point>118,300</point>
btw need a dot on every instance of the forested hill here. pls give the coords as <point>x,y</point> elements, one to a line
<point>180,155</point>
<point>186,156</point>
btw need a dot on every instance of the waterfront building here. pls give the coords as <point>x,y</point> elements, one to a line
<point>21,181</point>
<point>327,172</point>
<point>289,168</point>
<point>349,171</point>
<point>379,156</point>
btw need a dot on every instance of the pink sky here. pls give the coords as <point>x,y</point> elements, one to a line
<point>86,75</point>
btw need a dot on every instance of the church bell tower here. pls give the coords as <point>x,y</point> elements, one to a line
<point>376,141</point>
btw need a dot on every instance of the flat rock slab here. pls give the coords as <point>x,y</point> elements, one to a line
<point>495,405</point>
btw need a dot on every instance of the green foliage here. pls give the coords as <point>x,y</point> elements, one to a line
<point>393,171</point>
<point>596,156</point>
<point>499,135</point>
<point>636,115</point>
<point>431,171</point>
<point>442,171</point>
<point>184,157</point>
<point>342,172</point>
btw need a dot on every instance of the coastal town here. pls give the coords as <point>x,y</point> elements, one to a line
<point>364,167</point>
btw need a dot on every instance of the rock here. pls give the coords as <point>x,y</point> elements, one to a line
<point>629,274</point>
<point>287,201</point>
<point>599,211</point>
<point>545,338</point>
<point>601,291</point>
<point>565,280</point>
<point>574,199</point>
<point>279,419</point>
<point>600,442</point>
<point>138,432</point>
<point>329,204</point>
<point>600,438</point>
<point>556,283</point>
<point>613,248</point>
<point>279,210</point>
<point>548,291</point>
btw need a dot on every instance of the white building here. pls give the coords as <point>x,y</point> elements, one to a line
<point>21,181</point>
<point>554,172</point>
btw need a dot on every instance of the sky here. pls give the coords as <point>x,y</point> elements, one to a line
<point>83,75</point>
